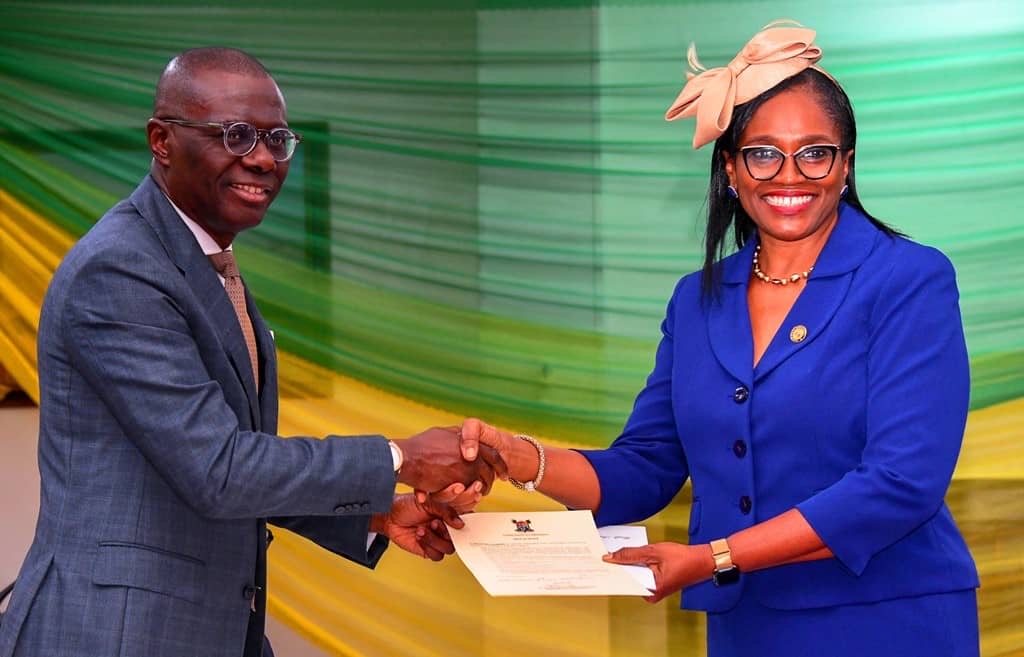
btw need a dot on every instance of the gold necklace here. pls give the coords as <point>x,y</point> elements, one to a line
<point>793,278</point>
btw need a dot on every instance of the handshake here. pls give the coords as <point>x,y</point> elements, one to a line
<point>450,469</point>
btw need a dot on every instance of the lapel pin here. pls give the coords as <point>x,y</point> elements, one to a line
<point>798,333</point>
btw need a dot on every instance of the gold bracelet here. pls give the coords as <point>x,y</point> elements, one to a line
<point>530,486</point>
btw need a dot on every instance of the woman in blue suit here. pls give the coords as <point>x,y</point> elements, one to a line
<point>813,386</point>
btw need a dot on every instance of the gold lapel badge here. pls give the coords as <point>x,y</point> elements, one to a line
<point>798,333</point>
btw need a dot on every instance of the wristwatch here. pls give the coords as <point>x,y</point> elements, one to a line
<point>726,571</point>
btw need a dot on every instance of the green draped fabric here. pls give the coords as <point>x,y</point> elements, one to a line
<point>488,211</point>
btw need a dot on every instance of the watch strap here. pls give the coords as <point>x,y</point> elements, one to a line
<point>725,572</point>
<point>721,553</point>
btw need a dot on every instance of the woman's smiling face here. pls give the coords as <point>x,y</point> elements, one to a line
<point>790,206</point>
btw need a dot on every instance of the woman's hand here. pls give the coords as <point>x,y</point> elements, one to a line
<point>474,432</point>
<point>675,565</point>
<point>568,478</point>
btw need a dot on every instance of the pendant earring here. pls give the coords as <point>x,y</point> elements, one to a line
<point>732,191</point>
<point>844,191</point>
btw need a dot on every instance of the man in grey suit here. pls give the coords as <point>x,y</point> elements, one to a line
<point>158,450</point>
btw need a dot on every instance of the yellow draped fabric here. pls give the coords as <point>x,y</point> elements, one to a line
<point>30,250</point>
<point>416,608</point>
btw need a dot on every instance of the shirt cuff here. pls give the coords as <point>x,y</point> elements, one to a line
<point>396,456</point>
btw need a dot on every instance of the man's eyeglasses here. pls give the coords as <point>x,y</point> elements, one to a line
<point>813,161</point>
<point>240,137</point>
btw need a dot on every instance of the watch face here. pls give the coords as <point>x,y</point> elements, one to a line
<point>726,576</point>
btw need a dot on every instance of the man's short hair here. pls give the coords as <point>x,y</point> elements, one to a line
<point>175,89</point>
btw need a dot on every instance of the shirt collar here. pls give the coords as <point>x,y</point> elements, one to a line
<point>206,241</point>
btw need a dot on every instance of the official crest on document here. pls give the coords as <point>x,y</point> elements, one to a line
<point>522,525</point>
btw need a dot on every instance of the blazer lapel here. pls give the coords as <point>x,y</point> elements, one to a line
<point>806,320</point>
<point>851,241</point>
<point>268,367</point>
<point>184,251</point>
<point>728,321</point>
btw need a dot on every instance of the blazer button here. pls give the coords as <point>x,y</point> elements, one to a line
<point>739,448</point>
<point>341,508</point>
<point>745,505</point>
<point>740,394</point>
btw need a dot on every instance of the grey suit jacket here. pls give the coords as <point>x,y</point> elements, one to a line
<point>159,458</point>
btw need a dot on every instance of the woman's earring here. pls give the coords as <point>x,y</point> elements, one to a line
<point>733,193</point>
<point>843,192</point>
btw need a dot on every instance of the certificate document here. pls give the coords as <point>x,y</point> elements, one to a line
<point>540,553</point>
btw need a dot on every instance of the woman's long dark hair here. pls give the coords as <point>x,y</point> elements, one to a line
<point>724,210</point>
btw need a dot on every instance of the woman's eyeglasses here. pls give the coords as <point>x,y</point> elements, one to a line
<point>813,161</point>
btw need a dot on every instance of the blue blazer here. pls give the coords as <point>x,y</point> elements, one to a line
<point>858,424</point>
<point>158,457</point>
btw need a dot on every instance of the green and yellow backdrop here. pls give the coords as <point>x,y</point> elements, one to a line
<point>486,217</point>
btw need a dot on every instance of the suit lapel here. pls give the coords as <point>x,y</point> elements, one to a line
<point>851,241</point>
<point>268,367</point>
<point>728,321</point>
<point>189,258</point>
<point>806,320</point>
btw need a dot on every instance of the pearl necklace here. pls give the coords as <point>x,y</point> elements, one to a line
<point>793,278</point>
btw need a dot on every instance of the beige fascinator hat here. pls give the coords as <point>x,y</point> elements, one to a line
<point>779,51</point>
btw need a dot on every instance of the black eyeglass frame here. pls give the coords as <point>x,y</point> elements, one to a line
<point>834,149</point>
<point>225,126</point>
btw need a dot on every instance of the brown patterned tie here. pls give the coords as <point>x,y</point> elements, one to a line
<point>224,263</point>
